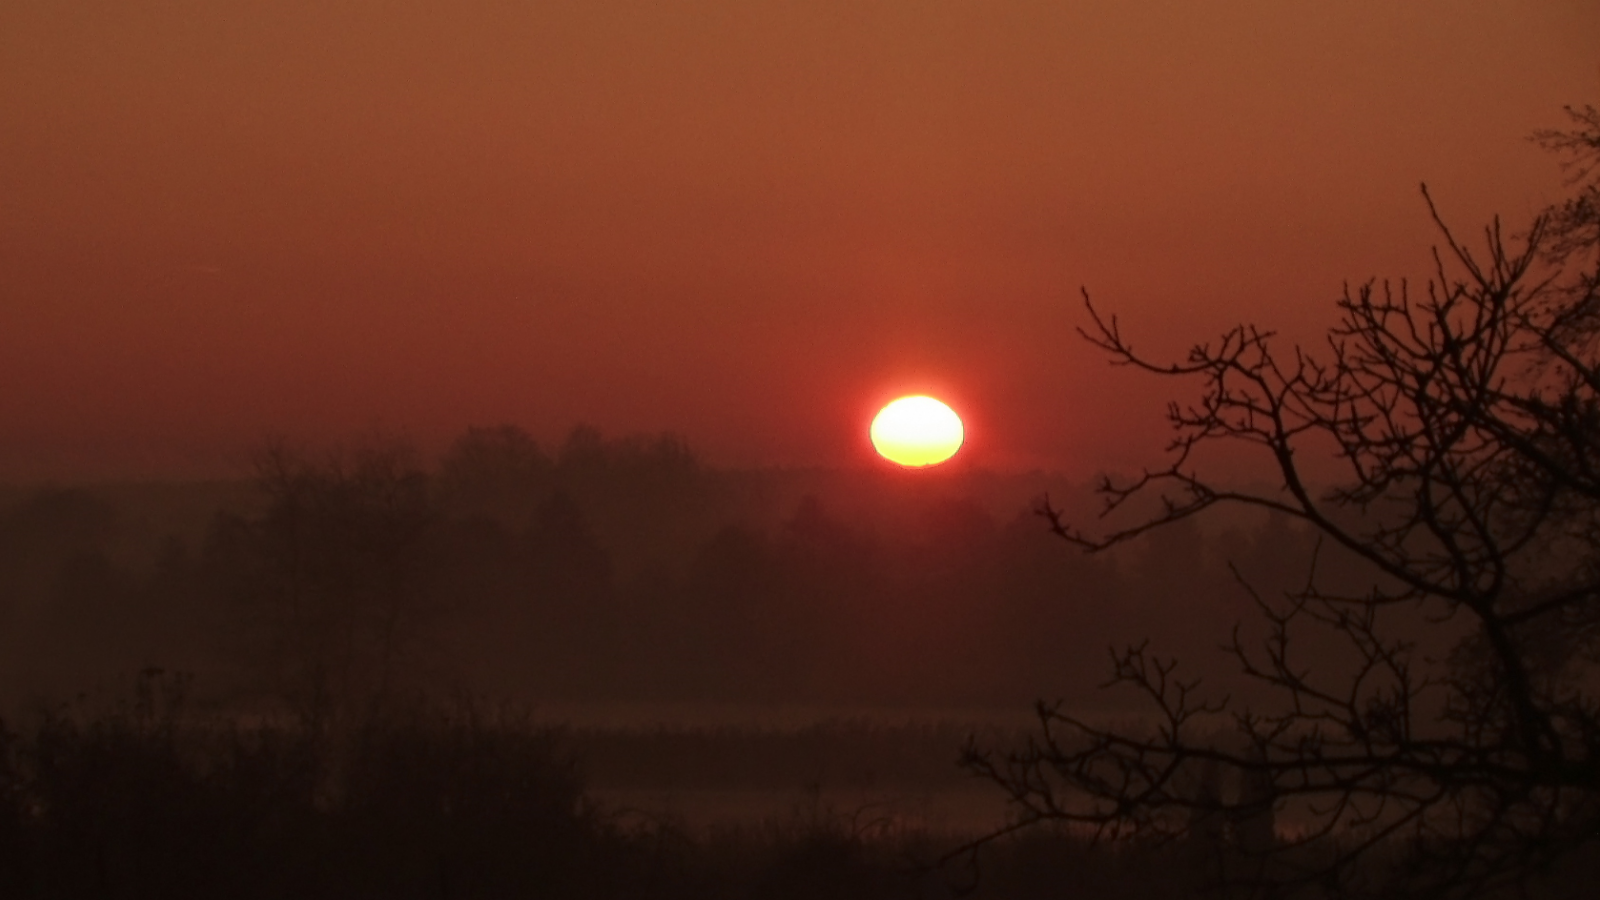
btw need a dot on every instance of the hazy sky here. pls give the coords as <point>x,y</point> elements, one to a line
<point>750,222</point>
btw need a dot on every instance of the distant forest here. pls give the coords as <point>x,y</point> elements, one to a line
<point>602,570</point>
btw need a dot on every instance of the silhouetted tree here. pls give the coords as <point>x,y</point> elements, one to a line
<point>338,569</point>
<point>1465,425</point>
<point>567,565</point>
<point>498,472</point>
<point>565,620</point>
<point>643,493</point>
<point>1573,226</point>
<point>42,534</point>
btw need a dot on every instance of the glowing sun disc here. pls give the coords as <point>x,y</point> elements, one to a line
<point>917,431</point>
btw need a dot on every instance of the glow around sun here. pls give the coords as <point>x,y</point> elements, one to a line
<point>917,432</point>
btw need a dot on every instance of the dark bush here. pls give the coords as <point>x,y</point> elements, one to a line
<point>136,803</point>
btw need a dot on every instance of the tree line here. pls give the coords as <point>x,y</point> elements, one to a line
<point>601,569</point>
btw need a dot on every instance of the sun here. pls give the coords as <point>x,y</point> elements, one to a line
<point>917,431</point>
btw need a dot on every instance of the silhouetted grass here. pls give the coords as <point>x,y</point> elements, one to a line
<point>150,799</point>
<point>137,802</point>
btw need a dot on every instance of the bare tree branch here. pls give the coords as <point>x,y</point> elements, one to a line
<point>1466,423</point>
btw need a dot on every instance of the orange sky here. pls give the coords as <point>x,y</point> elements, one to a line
<point>749,222</point>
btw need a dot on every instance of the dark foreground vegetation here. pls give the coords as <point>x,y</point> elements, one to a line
<point>150,799</point>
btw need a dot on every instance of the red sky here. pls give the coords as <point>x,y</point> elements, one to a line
<point>749,222</point>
